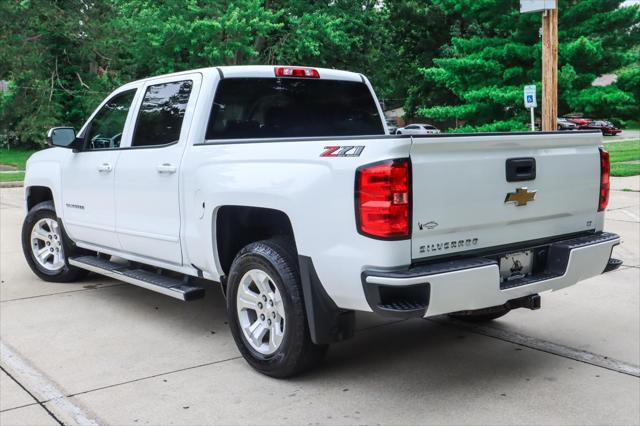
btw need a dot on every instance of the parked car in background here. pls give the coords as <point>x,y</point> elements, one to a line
<point>392,126</point>
<point>417,129</point>
<point>564,124</point>
<point>606,127</point>
<point>580,121</point>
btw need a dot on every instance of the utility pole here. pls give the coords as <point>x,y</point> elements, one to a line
<point>550,69</point>
<point>549,9</point>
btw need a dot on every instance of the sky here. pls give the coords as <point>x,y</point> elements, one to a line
<point>630,2</point>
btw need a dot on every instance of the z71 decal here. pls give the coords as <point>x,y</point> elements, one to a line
<point>342,151</point>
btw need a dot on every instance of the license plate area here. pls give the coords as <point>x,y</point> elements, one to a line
<point>514,266</point>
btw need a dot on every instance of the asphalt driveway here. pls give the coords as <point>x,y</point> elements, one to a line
<point>104,352</point>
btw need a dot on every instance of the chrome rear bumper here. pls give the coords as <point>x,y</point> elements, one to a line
<point>474,282</point>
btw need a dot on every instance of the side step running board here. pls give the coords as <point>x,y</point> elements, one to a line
<point>159,283</point>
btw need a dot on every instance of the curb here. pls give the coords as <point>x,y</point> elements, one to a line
<point>11,184</point>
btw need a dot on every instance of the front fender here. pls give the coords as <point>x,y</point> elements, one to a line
<point>43,169</point>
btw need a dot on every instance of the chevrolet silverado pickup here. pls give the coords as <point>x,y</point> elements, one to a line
<point>282,186</point>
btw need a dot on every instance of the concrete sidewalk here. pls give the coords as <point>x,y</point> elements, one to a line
<point>630,183</point>
<point>103,352</point>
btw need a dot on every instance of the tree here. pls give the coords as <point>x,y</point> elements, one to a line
<point>62,57</point>
<point>48,56</point>
<point>449,60</point>
<point>496,50</point>
<point>417,30</point>
<point>175,35</point>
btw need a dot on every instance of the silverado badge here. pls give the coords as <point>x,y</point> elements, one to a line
<point>521,197</point>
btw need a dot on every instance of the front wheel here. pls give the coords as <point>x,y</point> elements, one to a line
<point>266,310</point>
<point>45,246</point>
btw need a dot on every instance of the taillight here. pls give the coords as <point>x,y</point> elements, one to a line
<point>383,199</point>
<point>605,180</point>
<point>297,72</point>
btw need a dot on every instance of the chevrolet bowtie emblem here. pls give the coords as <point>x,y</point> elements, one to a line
<point>521,197</point>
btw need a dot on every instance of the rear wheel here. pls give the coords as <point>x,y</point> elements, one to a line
<point>266,311</point>
<point>481,315</point>
<point>46,247</point>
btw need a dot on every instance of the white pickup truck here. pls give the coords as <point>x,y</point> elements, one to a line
<point>282,185</point>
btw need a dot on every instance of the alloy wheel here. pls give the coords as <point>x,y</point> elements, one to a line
<point>260,311</point>
<point>46,244</point>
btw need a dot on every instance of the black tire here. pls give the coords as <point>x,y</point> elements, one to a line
<point>67,273</point>
<point>398,133</point>
<point>296,352</point>
<point>481,315</point>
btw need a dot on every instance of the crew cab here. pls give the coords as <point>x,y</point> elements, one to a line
<point>283,186</point>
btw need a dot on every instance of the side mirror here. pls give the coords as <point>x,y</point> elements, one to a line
<point>64,137</point>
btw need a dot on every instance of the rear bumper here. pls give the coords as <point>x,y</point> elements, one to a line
<point>474,283</point>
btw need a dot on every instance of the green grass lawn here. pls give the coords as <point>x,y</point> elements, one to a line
<point>624,151</point>
<point>12,177</point>
<point>622,170</point>
<point>15,157</point>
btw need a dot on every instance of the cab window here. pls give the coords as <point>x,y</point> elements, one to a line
<point>105,130</point>
<point>160,117</point>
<point>246,108</point>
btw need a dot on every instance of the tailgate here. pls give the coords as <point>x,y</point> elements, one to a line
<point>460,187</point>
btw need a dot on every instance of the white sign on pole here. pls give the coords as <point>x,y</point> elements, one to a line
<point>536,5</point>
<point>530,96</point>
<point>530,102</point>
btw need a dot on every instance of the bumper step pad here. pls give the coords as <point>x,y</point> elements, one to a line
<point>168,286</point>
<point>612,265</point>
<point>403,306</point>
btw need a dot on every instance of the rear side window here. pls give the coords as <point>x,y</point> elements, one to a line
<point>161,113</point>
<point>282,107</point>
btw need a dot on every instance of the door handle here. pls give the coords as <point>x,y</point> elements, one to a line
<point>167,168</point>
<point>105,168</point>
